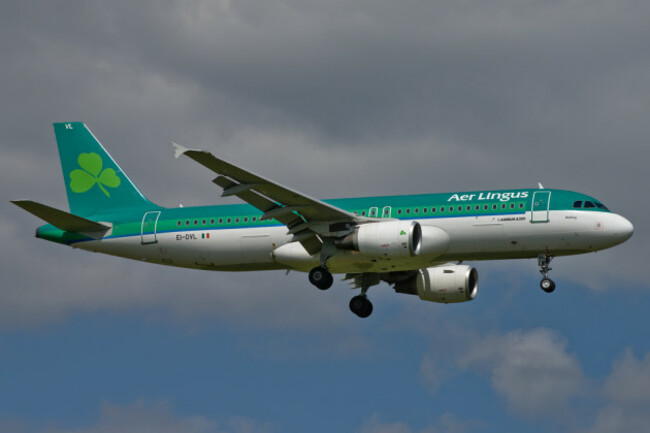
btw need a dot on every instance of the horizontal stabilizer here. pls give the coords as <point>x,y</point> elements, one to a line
<point>61,219</point>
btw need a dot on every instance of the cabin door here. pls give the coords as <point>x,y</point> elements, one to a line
<point>541,205</point>
<point>148,231</point>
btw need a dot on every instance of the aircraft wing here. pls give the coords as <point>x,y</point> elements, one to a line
<point>299,212</point>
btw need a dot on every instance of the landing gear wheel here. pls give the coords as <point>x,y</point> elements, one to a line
<point>543,260</point>
<point>361,306</point>
<point>321,278</point>
<point>547,285</point>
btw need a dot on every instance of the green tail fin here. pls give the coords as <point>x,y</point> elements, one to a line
<point>94,182</point>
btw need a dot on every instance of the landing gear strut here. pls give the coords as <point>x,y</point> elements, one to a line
<point>321,277</point>
<point>547,285</point>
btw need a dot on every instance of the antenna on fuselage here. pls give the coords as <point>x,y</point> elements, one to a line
<point>540,185</point>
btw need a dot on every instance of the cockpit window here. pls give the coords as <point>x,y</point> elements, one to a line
<point>589,204</point>
<point>577,204</point>
<point>602,206</point>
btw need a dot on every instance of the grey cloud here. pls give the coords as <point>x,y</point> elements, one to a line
<point>159,417</point>
<point>531,369</point>
<point>475,74</point>
<point>447,423</point>
<point>616,419</point>
<point>629,381</point>
<point>627,396</point>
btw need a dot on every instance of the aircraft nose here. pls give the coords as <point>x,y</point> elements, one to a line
<point>622,228</point>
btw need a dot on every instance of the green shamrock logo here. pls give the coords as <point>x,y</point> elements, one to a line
<point>92,173</point>
<point>402,233</point>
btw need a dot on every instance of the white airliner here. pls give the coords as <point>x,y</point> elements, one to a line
<point>416,243</point>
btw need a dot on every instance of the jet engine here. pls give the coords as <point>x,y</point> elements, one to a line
<point>445,284</point>
<point>396,239</point>
<point>387,240</point>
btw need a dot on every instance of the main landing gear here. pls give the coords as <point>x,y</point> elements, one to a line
<point>547,285</point>
<point>360,305</point>
<point>321,277</point>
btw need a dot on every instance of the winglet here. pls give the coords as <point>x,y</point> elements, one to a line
<point>178,149</point>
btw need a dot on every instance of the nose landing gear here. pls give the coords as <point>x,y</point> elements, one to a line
<point>547,285</point>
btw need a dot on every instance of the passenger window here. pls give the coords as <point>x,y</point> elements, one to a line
<point>577,204</point>
<point>451,208</point>
<point>399,211</point>
<point>254,219</point>
<point>245,219</point>
<point>363,213</point>
<point>589,204</point>
<point>408,211</point>
<point>187,222</point>
<point>178,224</point>
<point>228,220</point>
<point>236,220</point>
<point>494,207</point>
<point>469,208</point>
<point>477,207</point>
<point>212,221</point>
<point>503,206</point>
<point>442,209</point>
<point>512,205</point>
<point>425,210</point>
<point>486,207</point>
<point>416,210</point>
<point>521,205</point>
<point>204,222</point>
<point>433,210</point>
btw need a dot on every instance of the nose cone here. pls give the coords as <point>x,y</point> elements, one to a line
<point>621,228</point>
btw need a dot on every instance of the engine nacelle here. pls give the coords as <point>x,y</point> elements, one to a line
<point>388,239</point>
<point>435,242</point>
<point>445,284</point>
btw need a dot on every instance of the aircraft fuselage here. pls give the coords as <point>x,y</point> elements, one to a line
<point>484,226</point>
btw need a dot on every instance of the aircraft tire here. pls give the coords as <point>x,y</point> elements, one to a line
<point>361,306</point>
<point>547,285</point>
<point>321,278</point>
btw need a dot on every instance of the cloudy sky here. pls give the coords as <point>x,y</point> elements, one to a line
<point>338,99</point>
